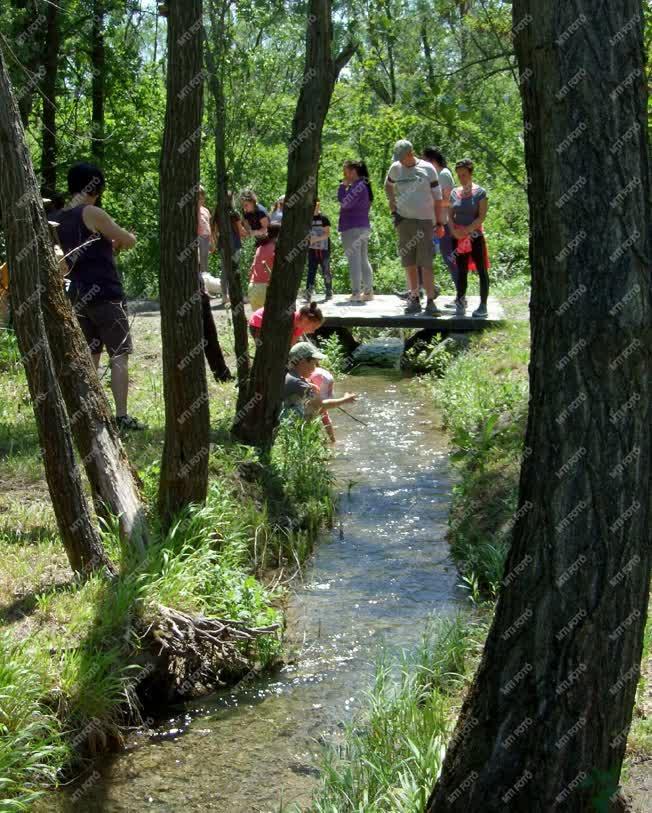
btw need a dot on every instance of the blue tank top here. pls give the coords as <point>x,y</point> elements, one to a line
<point>93,273</point>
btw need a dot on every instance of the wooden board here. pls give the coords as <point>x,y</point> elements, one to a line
<point>387,311</point>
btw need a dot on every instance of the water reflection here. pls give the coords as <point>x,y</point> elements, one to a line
<point>372,582</point>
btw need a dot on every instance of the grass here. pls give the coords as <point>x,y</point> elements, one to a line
<point>70,660</point>
<point>391,757</point>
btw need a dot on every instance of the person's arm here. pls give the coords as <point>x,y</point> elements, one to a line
<point>483,205</point>
<point>97,220</point>
<point>341,191</point>
<point>331,403</point>
<point>390,191</point>
<point>327,233</point>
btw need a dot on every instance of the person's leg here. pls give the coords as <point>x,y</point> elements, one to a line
<point>96,360</point>
<point>424,256</point>
<point>313,263</point>
<point>351,245</point>
<point>478,251</point>
<point>326,272</point>
<point>120,383</point>
<point>367,271</point>
<point>447,254</point>
<point>212,349</point>
<point>204,248</point>
<point>462,261</point>
<point>407,250</point>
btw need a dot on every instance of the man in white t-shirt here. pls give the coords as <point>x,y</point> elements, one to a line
<point>415,201</point>
<point>435,156</point>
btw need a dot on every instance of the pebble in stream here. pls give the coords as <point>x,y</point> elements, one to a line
<point>373,583</point>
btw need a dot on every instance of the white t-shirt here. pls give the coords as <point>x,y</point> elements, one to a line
<point>415,188</point>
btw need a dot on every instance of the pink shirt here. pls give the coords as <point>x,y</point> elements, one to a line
<point>204,224</point>
<point>261,268</point>
<point>256,320</point>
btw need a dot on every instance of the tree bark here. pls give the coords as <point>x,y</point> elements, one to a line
<point>49,90</point>
<point>99,81</point>
<point>215,57</point>
<point>184,467</point>
<point>544,725</point>
<point>28,248</point>
<point>256,422</point>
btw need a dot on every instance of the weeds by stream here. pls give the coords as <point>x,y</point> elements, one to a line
<point>71,664</point>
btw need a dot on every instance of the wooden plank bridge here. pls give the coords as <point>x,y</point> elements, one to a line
<point>388,311</point>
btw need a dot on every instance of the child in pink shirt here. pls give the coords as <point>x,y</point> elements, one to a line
<point>324,382</point>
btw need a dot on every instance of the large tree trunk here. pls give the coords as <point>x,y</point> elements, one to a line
<point>112,480</point>
<point>99,80</point>
<point>544,724</point>
<point>184,467</point>
<point>256,422</point>
<point>215,57</point>
<point>49,90</point>
<point>28,247</point>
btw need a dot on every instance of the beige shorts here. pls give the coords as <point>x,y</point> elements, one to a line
<point>415,244</point>
<point>257,294</point>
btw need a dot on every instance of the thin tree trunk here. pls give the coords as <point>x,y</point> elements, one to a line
<point>28,247</point>
<point>99,81</point>
<point>256,422</point>
<point>49,90</point>
<point>215,58</point>
<point>544,725</point>
<point>184,467</point>
<point>26,37</point>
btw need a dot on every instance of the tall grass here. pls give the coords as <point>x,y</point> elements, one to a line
<point>392,755</point>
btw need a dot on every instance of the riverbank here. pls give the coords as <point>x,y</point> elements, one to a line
<point>73,674</point>
<point>393,750</point>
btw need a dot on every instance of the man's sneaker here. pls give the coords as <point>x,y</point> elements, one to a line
<point>128,423</point>
<point>367,296</point>
<point>413,305</point>
<point>481,312</point>
<point>431,309</point>
<point>460,307</point>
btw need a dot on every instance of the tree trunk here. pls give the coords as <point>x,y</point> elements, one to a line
<point>544,725</point>
<point>99,78</point>
<point>215,56</point>
<point>256,422</point>
<point>28,247</point>
<point>184,467</point>
<point>27,43</point>
<point>49,90</point>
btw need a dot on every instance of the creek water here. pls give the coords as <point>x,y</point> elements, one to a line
<point>372,582</point>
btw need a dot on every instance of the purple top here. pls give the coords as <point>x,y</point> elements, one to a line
<point>93,274</point>
<point>354,203</point>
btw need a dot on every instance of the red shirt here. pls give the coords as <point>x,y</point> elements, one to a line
<point>256,320</point>
<point>261,268</point>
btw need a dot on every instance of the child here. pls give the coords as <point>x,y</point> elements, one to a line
<point>324,382</point>
<point>204,234</point>
<point>319,254</point>
<point>306,321</point>
<point>261,267</point>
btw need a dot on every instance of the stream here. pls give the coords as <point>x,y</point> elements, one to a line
<point>373,581</point>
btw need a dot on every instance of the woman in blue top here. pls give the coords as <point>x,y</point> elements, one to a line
<point>468,209</point>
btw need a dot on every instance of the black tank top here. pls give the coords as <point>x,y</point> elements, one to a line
<point>93,273</point>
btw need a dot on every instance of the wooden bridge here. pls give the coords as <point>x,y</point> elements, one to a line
<point>387,311</point>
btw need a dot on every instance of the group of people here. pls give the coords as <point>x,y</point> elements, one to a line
<point>431,215</point>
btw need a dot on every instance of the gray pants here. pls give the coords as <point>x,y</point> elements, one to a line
<point>356,244</point>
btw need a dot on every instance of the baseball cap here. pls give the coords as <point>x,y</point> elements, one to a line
<point>402,148</point>
<point>303,351</point>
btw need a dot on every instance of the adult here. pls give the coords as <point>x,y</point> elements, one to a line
<point>468,209</point>
<point>415,201</point>
<point>307,320</point>
<point>277,210</point>
<point>256,216</point>
<point>435,156</point>
<point>204,232</point>
<point>91,239</point>
<point>319,253</point>
<point>299,394</point>
<point>237,233</point>
<point>261,267</point>
<point>356,196</point>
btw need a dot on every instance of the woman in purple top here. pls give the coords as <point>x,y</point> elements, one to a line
<point>355,196</point>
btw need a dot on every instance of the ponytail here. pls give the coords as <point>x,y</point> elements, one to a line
<point>312,312</point>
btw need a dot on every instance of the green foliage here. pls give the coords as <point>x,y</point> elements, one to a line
<point>391,756</point>
<point>336,359</point>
